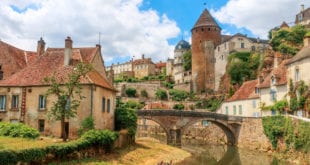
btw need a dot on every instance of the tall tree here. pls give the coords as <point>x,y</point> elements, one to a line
<point>68,94</point>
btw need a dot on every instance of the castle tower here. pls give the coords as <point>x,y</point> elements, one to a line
<point>206,35</point>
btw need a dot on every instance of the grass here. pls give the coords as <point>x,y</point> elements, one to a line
<point>21,143</point>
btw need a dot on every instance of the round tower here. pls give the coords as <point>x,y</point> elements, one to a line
<point>206,35</point>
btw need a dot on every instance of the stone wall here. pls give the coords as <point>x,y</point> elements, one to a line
<point>251,135</point>
<point>150,87</point>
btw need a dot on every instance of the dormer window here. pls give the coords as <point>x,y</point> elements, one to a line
<point>273,80</point>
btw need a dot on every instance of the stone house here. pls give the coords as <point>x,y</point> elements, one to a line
<point>123,70</point>
<point>160,68</point>
<point>297,66</point>
<point>22,96</point>
<point>303,17</point>
<point>245,101</point>
<point>235,43</point>
<point>273,86</point>
<point>143,67</point>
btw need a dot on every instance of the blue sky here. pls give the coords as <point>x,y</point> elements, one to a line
<point>130,28</point>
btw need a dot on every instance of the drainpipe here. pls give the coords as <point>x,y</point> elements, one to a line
<point>91,99</point>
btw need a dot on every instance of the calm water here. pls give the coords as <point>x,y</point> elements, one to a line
<point>214,154</point>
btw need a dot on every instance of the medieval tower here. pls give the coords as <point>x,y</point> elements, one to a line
<point>206,35</point>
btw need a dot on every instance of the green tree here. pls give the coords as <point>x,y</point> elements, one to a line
<point>161,94</point>
<point>144,93</point>
<point>187,57</point>
<point>68,92</point>
<point>126,119</point>
<point>131,92</point>
<point>178,106</point>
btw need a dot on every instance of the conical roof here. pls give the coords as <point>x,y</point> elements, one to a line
<point>206,19</point>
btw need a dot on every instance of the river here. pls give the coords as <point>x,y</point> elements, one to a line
<point>218,154</point>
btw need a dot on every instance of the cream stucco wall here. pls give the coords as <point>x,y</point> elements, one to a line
<point>303,66</point>
<point>249,108</point>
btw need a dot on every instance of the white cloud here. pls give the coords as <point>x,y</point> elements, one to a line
<point>259,16</point>
<point>125,29</point>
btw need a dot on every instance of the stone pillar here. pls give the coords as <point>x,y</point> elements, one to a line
<point>174,137</point>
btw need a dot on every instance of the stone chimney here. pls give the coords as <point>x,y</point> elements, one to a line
<point>307,41</point>
<point>302,7</point>
<point>40,47</point>
<point>68,51</point>
<point>1,73</point>
<point>277,59</point>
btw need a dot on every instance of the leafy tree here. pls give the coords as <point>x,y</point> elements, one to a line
<point>187,57</point>
<point>130,104</point>
<point>126,119</point>
<point>280,105</point>
<point>161,94</point>
<point>68,94</point>
<point>288,41</point>
<point>131,92</point>
<point>178,95</point>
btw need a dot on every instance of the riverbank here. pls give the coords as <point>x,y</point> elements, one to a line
<point>145,151</point>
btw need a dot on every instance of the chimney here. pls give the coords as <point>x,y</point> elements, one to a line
<point>302,7</point>
<point>1,73</point>
<point>40,47</point>
<point>277,59</point>
<point>307,40</point>
<point>68,51</point>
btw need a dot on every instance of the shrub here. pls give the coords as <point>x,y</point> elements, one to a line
<point>131,92</point>
<point>178,106</point>
<point>178,95</point>
<point>132,105</point>
<point>274,128</point>
<point>126,119</point>
<point>144,93</point>
<point>161,94</point>
<point>87,124</point>
<point>18,130</point>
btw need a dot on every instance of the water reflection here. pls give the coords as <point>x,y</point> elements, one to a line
<point>204,153</point>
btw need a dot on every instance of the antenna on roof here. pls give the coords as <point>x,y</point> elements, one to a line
<point>99,38</point>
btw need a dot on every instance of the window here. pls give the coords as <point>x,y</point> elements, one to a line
<point>240,109</point>
<point>297,74</point>
<point>273,80</point>
<point>273,95</point>
<point>2,102</point>
<point>227,110</point>
<point>15,102</point>
<point>42,102</point>
<point>103,104</point>
<point>41,125</point>
<point>109,105</point>
<point>253,48</point>
<point>235,110</point>
<point>257,90</point>
<point>242,45</point>
<point>254,103</point>
<point>68,104</point>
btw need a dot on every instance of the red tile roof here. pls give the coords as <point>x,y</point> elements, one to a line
<point>246,91</point>
<point>13,59</point>
<point>156,106</point>
<point>279,74</point>
<point>52,62</point>
<point>160,65</point>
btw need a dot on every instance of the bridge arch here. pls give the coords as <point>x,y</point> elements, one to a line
<point>229,130</point>
<point>159,122</point>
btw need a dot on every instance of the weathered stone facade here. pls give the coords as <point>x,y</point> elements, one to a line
<point>206,35</point>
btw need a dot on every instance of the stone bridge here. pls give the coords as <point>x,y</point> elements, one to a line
<point>175,122</point>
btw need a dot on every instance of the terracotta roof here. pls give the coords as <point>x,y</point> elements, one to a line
<point>279,73</point>
<point>156,106</point>
<point>284,25</point>
<point>246,91</point>
<point>206,19</point>
<point>13,59</point>
<point>160,65</point>
<point>302,54</point>
<point>52,62</point>
<point>142,61</point>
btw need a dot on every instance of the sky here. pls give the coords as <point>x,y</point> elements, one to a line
<point>129,28</point>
